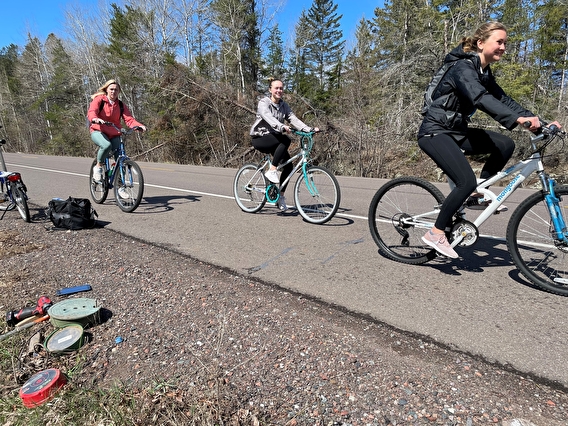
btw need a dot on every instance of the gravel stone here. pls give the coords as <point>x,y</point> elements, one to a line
<point>263,352</point>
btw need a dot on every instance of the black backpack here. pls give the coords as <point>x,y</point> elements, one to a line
<point>73,213</point>
<point>433,85</point>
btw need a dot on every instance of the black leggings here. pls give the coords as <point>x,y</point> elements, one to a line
<point>449,155</point>
<point>276,144</point>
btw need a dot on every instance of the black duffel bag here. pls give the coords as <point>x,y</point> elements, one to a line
<point>72,213</point>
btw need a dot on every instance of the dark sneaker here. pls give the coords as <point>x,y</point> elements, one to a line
<point>282,203</point>
<point>478,203</point>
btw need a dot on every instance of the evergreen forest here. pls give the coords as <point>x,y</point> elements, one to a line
<point>193,71</point>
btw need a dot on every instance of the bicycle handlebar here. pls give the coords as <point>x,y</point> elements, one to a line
<point>310,133</point>
<point>122,131</point>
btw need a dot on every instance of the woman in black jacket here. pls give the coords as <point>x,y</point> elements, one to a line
<point>444,134</point>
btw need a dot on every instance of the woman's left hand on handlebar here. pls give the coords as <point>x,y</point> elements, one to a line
<point>555,123</point>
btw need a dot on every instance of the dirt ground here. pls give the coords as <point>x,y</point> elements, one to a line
<point>252,350</point>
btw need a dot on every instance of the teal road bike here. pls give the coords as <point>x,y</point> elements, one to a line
<point>122,174</point>
<point>316,191</point>
<point>403,209</point>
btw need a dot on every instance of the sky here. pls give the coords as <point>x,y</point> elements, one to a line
<point>42,17</point>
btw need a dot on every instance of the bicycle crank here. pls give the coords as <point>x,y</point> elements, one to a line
<point>466,231</point>
<point>272,193</point>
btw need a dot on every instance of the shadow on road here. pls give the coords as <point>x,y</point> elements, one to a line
<point>486,253</point>
<point>165,203</point>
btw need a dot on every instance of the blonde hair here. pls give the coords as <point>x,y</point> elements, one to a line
<point>482,33</point>
<point>103,89</point>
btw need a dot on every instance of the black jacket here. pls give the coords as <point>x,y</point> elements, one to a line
<point>469,88</point>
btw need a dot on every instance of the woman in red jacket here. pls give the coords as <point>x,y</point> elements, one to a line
<point>106,107</point>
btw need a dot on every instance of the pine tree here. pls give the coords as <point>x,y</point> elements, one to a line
<point>273,65</point>
<point>64,100</point>
<point>324,48</point>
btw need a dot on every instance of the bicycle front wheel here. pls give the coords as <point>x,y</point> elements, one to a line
<point>128,186</point>
<point>538,254</point>
<point>249,188</point>
<point>21,201</point>
<point>317,195</point>
<point>400,213</point>
<point>99,190</point>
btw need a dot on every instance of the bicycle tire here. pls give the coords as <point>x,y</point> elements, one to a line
<point>317,195</point>
<point>249,188</point>
<point>540,258</point>
<point>98,190</point>
<point>390,219</point>
<point>21,201</point>
<point>129,180</point>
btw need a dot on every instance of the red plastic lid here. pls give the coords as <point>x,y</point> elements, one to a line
<point>41,387</point>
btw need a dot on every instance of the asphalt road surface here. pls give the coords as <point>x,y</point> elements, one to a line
<point>477,304</point>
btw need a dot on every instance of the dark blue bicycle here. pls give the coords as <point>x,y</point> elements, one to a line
<point>122,174</point>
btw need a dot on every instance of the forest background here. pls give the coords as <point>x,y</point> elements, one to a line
<point>193,71</point>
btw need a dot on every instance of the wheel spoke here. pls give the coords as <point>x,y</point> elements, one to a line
<point>397,222</point>
<point>535,249</point>
<point>317,195</point>
<point>249,188</point>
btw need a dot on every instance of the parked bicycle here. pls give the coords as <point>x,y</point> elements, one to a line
<point>124,175</point>
<point>13,192</point>
<point>316,192</point>
<point>403,209</point>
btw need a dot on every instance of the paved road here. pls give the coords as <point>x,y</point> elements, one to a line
<point>478,304</point>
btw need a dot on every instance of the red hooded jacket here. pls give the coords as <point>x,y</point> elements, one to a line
<point>109,112</point>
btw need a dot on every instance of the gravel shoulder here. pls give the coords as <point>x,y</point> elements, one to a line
<point>250,347</point>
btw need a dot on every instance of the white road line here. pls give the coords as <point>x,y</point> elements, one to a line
<point>190,191</point>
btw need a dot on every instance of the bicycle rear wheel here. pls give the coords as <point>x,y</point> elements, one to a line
<point>21,201</point>
<point>128,186</point>
<point>317,195</point>
<point>400,213</point>
<point>538,254</point>
<point>249,188</point>
<point>99,190</point>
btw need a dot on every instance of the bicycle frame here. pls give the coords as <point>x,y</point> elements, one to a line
<point>306,144</point>
<point>521,171</point>
<point>120,158</point>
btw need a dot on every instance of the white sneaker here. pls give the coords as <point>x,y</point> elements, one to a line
<point>282,203</point>
<point>273,176</point>
<point>123,193</point>
<point>97,174</point>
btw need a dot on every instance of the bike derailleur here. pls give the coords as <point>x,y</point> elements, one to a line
<point>466,231</point>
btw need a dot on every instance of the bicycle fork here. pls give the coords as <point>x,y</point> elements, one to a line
<point>553,204</point>
<point>309,181</point>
